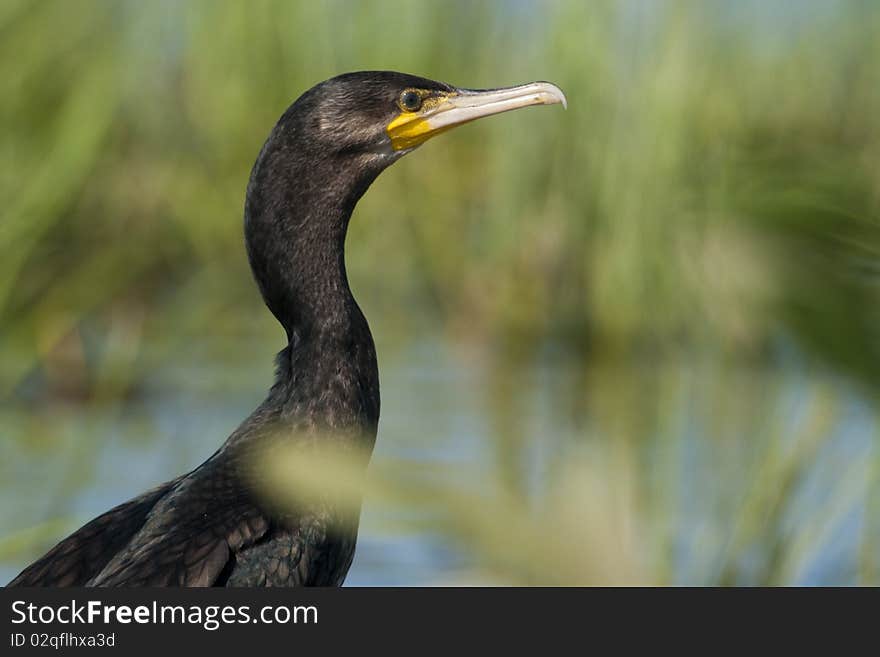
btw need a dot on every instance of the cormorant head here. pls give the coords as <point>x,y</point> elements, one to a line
<point>382,115</point>
<point>324,153</point>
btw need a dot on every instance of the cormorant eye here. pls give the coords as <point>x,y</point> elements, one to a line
<point>410,100</point>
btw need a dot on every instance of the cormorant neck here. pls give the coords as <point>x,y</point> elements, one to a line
<point>296,218</point>
<point>300,197</point>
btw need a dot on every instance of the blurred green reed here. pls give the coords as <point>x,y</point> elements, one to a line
<point>696,238</point>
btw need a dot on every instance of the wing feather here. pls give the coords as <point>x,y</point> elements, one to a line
<point>84,553</point>
<point>191,534</point>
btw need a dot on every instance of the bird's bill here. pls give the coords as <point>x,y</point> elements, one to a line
<point>442,112</point>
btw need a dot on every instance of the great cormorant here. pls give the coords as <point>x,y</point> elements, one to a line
<point>210,526</point>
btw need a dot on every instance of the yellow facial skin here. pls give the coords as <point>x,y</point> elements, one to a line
<point>411,129</point>
<point>440,111</point>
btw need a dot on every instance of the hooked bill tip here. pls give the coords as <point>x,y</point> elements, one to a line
<point>553,92</point>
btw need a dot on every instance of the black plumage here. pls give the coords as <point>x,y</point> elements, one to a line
<point>211,526</point>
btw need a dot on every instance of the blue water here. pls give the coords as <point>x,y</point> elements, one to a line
<point>438,410</point>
